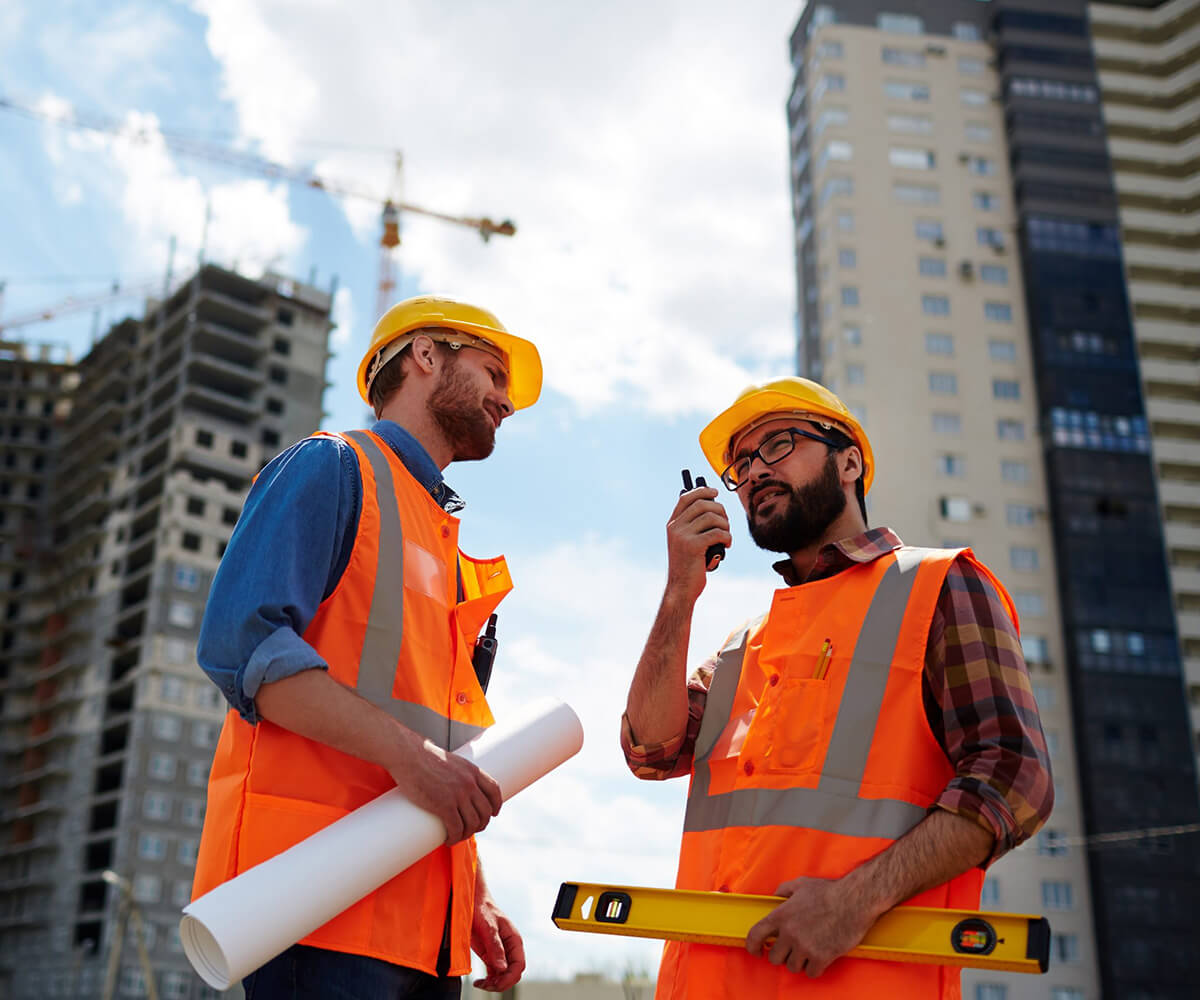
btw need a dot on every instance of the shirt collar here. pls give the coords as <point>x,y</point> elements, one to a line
<point>837,556</point>
<point>420,465</point>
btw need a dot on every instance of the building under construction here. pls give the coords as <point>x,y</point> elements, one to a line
<point>123,475</point>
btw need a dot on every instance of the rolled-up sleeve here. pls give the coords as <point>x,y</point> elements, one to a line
<point>984,713</point>
<point>284,557</point>
<point>658,761</point>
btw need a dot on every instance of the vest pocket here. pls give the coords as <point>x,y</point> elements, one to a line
<point>795,725</point>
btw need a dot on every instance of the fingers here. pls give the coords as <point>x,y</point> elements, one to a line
<point>491,790</point>
<point>759,933</point>
<point>506,964</point>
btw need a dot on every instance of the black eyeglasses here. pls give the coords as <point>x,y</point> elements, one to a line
<point>774,449</point>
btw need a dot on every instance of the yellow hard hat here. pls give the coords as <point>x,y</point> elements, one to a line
<point>784,397</point>
<point>479,327</point>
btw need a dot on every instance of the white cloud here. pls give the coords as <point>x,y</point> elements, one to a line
<point>343,316</point>
<point>641,149</point>
<point>249,223</point>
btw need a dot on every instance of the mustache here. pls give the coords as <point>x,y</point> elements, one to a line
<point>770,484</point>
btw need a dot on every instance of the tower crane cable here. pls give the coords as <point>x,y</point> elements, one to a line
<point>240,159</point>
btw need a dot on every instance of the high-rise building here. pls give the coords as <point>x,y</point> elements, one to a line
<point>1148,61</point>
<point>149,445</point>
<point>961,286</point>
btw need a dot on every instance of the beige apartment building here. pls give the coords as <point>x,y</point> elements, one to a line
<point>1148,61</point>
<point>913,311</point>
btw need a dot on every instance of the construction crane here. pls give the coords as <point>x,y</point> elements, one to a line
<point>80,303</point>
<point>179,142</point>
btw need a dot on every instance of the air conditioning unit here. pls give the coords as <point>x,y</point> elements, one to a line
<point>998,245</point>
<point>939,241</point>
<point>964,157</point>
<point>966,270</point>
<point>936,50</point>
<point>979,509</point>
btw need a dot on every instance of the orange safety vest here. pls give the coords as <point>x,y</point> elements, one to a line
<point>394,631</point>
<point>799,776</point>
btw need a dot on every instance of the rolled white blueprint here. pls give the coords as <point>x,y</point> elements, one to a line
<point>242,924</point>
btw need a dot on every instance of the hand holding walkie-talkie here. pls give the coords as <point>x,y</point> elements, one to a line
<point>714,553</point>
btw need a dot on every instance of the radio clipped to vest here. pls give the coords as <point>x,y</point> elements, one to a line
<point>484,655</point>
<point>1003,942</point>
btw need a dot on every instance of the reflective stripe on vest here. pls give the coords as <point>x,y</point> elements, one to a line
<point>833,806</point>
<point>385,629</point>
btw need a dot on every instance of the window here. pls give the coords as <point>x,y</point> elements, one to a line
<point>916,194</point>
<point>152,847</point>
<point>176,651</point>
<point>204,735</point>
<point>990,896</point>
<point>835,149</point>
<point>836,186</point>
<point>847,258</point>
<point>985,201</point>
<point>181,615</point>
<point>161,766</point>
<point>1014,472</point>
<point>935,305</point>
<point>190,541</point>
<point>186,578</point>
<point>1053,90</point>
<point>1029,603</point>
<point>175,986</point>
<point>156,805</point>
<point>132,982</point>
<point>991,991</point>
<point>852,335</point>
<point>915,124</point>
<point>903,57</point>
<point>204,439</point>
<point>931,267</point>
<point>943,383</point>
<point>900,24</point>
<point>994,274</point>
<point>274,406</point>
<point>947,423</point>
<point>981,166</point>
<point>964,31</point>
<point>1004,388</point>
<point>285,317</point>
<point>1064,947</point>
<point>1066,993</point>
<point>1043,695</point>
<point>971,97</point>
<point>849,295</point>
<point>939,343</point>
<point>238,449</point>
<point>969,64</point>
<point>166,727</point>
<point>900,90</point>
<point>197,773</point>
<point>277,375</point>
<point>1051,844</point>
<point>987,236</point>
<point>1010,430</point>
<point>845,222</point>
<point>282,346</point>
<point>1019,515</point>
<point>955,508</point>
<point>229,515</point>
<point>1057,896</point>
<point>928,229</point>
<point>186,853</point>
<point>1000,312</point>
<point>855,375</point>
<point>830,50</point>
<point>1035,649</point>
<point>1023,557</point>
<point>1002,350</point>
<point>173,689</point>
<point>978,132</point>
<point>951,465</point>
<point>828,83</point>
<point>911,159</point>
<point>192,812</point>
<point>1101,641</point>
<point>269,437</point>
<point>181,895</point>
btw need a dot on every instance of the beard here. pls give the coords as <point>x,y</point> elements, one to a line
<point>807,512</point>
<point>458,412</point>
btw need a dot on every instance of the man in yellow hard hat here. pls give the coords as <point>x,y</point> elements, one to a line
<point>870,741</point>
<point>342,627</point>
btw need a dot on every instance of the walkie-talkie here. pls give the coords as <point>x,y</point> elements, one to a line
<point>716,551</point>
<point>484,654</point>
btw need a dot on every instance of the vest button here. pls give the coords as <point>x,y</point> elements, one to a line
<point>723,887</point>
<point>748,767</point>
<point>445,531</point>
<point>461,697</point>
<point>774,679</point>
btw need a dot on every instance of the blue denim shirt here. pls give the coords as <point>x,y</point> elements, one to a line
<point>290,547</point>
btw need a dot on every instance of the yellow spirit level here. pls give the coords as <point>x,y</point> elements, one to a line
<point>1007,942</point>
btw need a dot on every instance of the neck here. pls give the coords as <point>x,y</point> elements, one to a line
<point>848,524</point>
<point>417,420</point>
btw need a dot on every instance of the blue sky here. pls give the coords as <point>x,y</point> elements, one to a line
<point>641,150</point>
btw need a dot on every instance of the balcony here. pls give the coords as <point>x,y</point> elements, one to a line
<point>236,409</point>
<point>231,311</point>
<point>224,341</point>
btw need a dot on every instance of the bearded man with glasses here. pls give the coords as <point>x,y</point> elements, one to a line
<point>871,741</point>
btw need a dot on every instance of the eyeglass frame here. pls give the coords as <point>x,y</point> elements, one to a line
<point>792,433</point>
